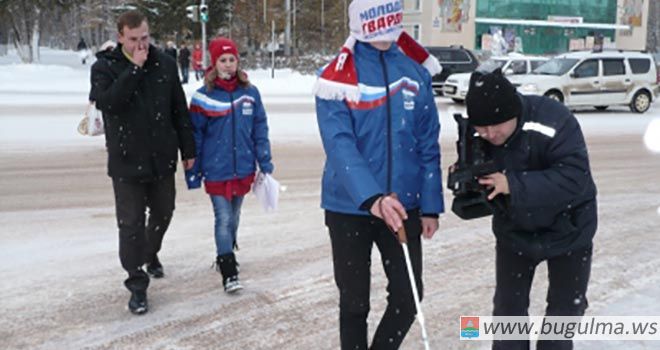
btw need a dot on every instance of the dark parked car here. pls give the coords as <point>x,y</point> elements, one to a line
<point>454,59</point>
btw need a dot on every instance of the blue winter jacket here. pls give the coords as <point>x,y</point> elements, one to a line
<point>231,135</point>
<point>387,142</point>
<point>552,206</point>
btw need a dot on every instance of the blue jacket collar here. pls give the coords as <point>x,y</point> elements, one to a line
<point>366,49</point>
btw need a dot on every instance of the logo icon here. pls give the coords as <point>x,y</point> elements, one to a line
<point>247,108</point>
<point>469,327</point>
<point>408,99</point>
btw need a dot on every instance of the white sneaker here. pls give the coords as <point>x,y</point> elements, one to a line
<point>232,285</point>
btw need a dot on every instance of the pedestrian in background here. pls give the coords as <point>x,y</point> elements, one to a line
<point>83,51</point>
<point>170,50</point>
<point>184,63</point>
<point>197,55</point>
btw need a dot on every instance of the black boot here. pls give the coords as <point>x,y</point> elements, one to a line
<point>226,265</point>
<point>138,304</point>
<point>155,268</point>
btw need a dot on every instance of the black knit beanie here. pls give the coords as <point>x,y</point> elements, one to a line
<point>491,99</point>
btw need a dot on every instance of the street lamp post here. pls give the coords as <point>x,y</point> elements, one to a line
<point>204,20</point>
<point>345,19</point>
<point>294,36</point>
<point>265,11</point>
<point>272,53</point>
<point>287,32</point>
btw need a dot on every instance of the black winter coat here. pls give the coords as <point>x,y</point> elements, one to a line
<point>552,204</point>
<point>184,57</point>
<point>170,51</point>
<point>145,114</point>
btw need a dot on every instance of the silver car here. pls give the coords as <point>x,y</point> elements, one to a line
<point>598,79</point>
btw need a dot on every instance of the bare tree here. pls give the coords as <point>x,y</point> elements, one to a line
<point>62,23</point>
<point>26,19</point>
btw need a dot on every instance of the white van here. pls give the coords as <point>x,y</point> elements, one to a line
<point>598,79</point>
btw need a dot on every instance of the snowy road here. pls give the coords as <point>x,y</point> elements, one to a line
<point>62,279</point>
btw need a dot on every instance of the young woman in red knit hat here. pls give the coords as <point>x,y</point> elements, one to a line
<point>231,135</point>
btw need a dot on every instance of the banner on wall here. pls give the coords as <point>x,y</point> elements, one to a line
<point>565,19</point>
<point>631,14</point>
<point>589,42</point>
<point>486,42</point>
<point>576,44</point>
<point>452,15</point>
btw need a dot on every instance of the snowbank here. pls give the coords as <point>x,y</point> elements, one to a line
<point>652,136</point>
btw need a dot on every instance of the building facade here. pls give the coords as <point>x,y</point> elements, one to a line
<point>529,26</point>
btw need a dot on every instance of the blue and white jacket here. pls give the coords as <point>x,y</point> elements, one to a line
<point>231,135</point>
<point>387,141</point>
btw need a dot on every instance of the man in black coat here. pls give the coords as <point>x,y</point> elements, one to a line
<point>146,124</point>
<point>549,196</point>
<point>82,50</point>
<point>170,49</point>
<point>184,63</point>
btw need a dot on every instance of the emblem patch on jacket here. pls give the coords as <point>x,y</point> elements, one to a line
<point>408,99</point>
<point>247,108</point>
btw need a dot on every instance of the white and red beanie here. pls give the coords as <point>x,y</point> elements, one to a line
<point>376,20</point>
<point>370,21</point>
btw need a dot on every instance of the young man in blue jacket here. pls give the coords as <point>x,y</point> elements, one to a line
<point>379,126</point>
<point>550,199</point>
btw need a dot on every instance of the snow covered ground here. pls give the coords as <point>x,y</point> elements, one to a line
<point>58,246</point>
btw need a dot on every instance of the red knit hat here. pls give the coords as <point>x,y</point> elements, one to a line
<point>221,46</point>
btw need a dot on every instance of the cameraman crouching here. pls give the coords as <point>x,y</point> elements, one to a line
<point>550,212</point>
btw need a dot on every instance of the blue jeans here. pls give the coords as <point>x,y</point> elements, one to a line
<point>184,74</point>
<point>227,216</point>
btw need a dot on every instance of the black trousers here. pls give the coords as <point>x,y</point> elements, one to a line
<point>139,243</point>
<point>568,276</point>
<point>352,239</point>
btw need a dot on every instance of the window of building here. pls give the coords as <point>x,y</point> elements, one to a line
<point>540,39</point>
<point>587,69</point>
<point>613,67</point>
<point>412,5</point>
<point>639,65</point>
<point>592,11</point>
<point>415,30</point>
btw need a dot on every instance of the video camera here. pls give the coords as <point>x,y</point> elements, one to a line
<point>470,197</point>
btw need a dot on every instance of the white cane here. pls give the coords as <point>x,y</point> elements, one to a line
<point>403,239</point>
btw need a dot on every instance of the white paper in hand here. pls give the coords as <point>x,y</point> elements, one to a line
<point>267,190</point>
